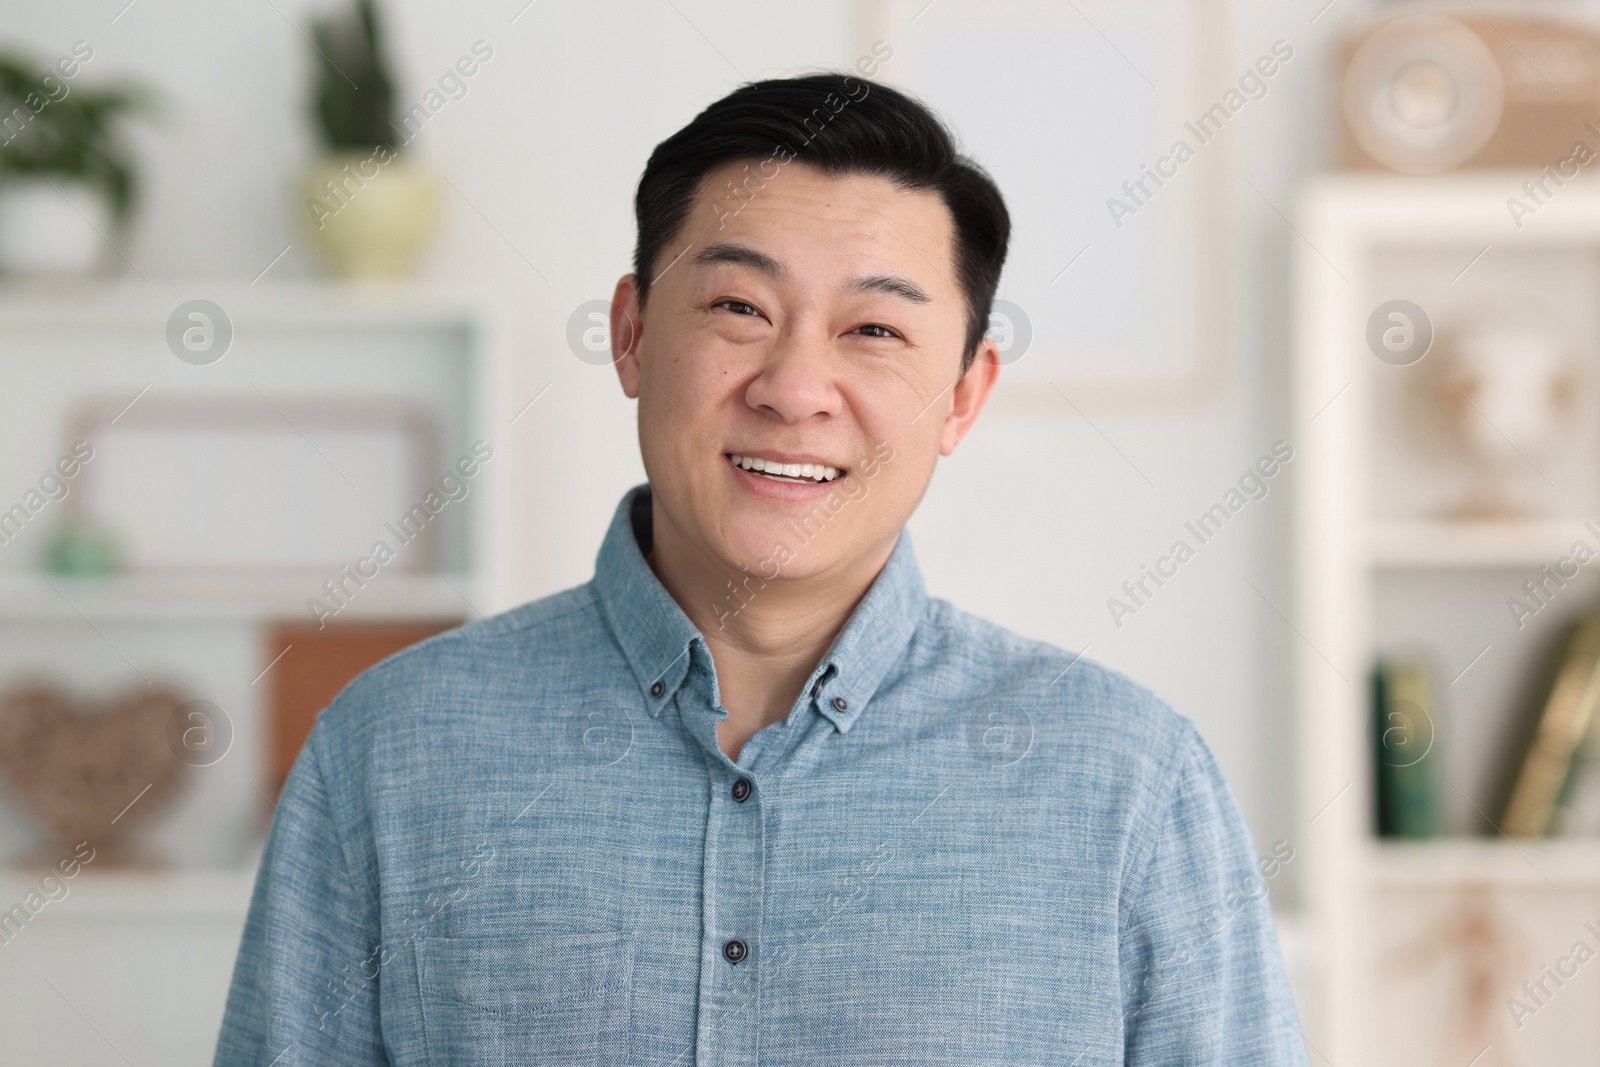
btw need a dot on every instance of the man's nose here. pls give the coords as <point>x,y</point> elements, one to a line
<point>797,377</point>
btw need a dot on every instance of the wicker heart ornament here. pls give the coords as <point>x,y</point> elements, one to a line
<point>78,767</point>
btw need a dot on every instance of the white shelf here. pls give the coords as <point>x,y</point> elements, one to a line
<point>101,894</point>
<point>36,597</point>
<point>1560,863</point>
<point>1474,544</point>
<point>46,305</point>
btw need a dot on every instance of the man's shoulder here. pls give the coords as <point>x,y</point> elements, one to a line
<point>1067,693</point>
<point>461,668</point>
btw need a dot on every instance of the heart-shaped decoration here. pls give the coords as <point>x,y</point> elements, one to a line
<point>78,767</point>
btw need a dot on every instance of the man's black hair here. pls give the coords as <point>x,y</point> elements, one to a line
<point>839,124</point>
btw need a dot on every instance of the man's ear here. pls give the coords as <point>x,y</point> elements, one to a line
<point>627,328</point>
<point>969,394</point>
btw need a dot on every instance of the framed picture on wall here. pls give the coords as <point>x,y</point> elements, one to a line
<point>1116,282</point>
<point>249,484</point>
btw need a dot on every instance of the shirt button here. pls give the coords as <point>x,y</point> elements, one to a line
<point>734,950</point>
<point>741,789</point>
<point>841,704</point>
<point>657,688</point>
<point>816,687</point>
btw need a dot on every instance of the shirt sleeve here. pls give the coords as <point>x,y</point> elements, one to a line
<point>1202,978</point>
<point>305,986</point>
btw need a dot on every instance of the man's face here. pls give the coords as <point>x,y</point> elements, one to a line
<point>816,321</point>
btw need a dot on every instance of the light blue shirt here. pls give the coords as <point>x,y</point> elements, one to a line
<point>519,842</point>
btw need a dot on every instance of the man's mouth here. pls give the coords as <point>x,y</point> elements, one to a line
<point>797,473</point>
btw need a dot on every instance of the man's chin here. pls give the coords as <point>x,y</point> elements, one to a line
<point>761,547</point>
<point>770,545</point>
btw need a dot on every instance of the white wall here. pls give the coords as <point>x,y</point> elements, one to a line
<point>545,151</point>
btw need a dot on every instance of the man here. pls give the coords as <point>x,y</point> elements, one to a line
<point>750,795</point>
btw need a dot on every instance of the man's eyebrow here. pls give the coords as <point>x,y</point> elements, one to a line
<point>745,256</point>
<point>739,255</point>
<point>892,285</point>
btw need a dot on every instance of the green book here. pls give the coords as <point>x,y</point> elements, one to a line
<point>1405,740</point>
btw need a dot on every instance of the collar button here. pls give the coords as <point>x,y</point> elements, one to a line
<point>657,688</point>
<point>841,704</point>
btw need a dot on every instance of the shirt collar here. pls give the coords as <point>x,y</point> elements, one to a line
<point>657,637</point>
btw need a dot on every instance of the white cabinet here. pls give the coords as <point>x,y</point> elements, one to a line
<point>132,965</point>
<point>1420,944</point>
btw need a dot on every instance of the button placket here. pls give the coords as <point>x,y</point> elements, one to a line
<point>732,901</point>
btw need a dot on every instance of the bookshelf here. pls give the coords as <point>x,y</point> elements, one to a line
<point>148,950</point>
<point>1418,943</point>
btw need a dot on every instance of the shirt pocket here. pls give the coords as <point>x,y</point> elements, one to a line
<point>546,999</point>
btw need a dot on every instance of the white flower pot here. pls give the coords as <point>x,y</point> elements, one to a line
<point>52,229</point>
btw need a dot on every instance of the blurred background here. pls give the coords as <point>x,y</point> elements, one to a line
<point>303,357</point>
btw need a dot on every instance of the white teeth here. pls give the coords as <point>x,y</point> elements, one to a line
<point>816,472</point>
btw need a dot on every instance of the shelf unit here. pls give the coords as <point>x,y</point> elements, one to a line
<point>1392,957</point>
<point>159,942</point>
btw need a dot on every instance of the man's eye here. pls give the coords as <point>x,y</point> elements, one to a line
<point>736,305</point>
<point>886,332</point>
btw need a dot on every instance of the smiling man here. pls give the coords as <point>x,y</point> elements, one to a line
<point>751,795</point>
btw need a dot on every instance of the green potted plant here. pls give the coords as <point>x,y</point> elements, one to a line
<point>369,210</point>
<point>67,179</point>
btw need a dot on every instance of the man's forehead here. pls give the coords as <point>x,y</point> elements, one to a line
<point>749,225</point>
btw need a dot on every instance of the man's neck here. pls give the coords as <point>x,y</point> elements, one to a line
<point>767,636</point>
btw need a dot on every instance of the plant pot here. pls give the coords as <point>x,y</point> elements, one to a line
<point>52,229</point>
<point>371,218</point>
